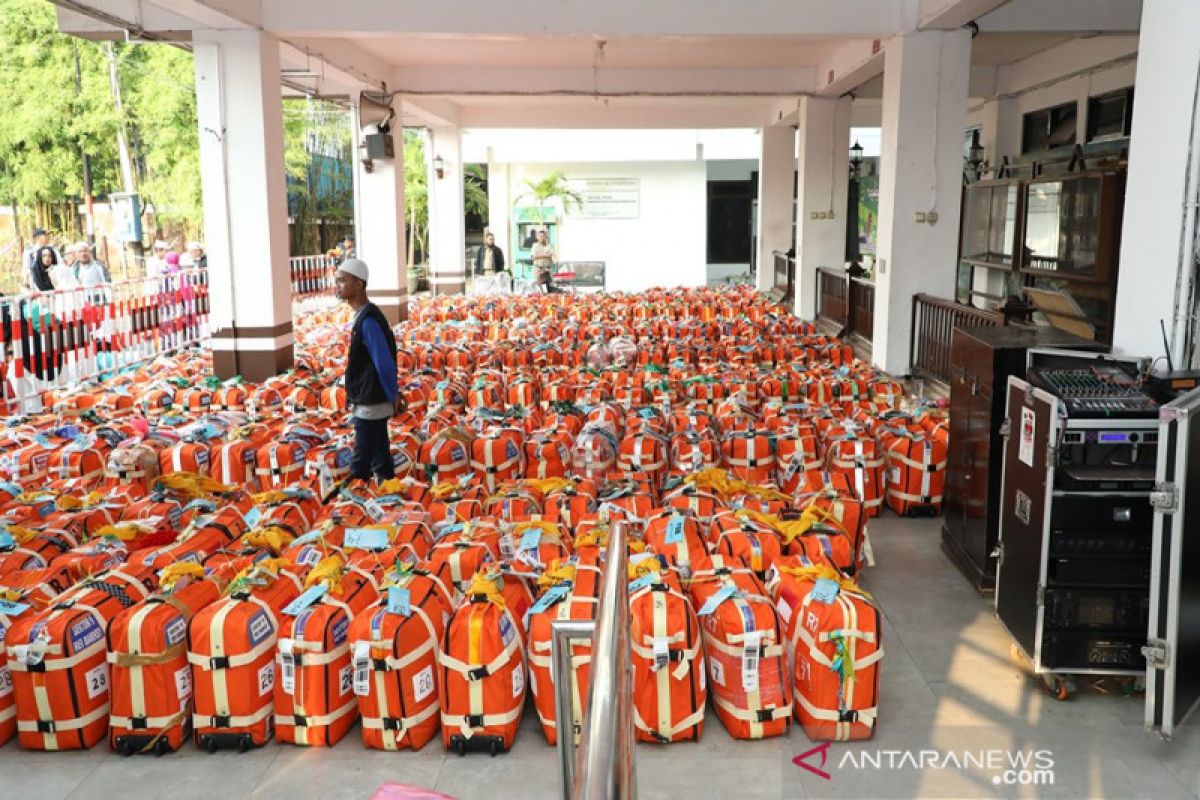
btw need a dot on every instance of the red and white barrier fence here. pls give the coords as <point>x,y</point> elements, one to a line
<point>55,339</point>
<point>313,281</point>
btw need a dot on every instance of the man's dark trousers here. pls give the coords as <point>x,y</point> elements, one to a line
<point>372,453</point>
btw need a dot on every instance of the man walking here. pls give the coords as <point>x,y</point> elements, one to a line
<point>371,390</point>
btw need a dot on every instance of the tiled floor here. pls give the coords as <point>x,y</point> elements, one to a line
<point>949,687</point>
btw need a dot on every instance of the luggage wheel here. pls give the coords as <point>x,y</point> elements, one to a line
<point>492,745</point>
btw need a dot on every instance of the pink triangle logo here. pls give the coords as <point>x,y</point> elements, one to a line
<point>823,751</point>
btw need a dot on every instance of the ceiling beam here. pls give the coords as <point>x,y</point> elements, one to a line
<point>948,15</point>
<point>610,82</point>
<point>585,17</point>
<point>345,65</point>
<point>431,112</point>
<point>1064,16</point>
<point>520,112</point>
<point>852,65</point>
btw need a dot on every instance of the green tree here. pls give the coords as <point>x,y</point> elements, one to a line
<point>416,193</point>
<point>320,188</point>
<point>475,198</point>
<point>47,123</point>
<point>158,87</point>
<point>551,189</point>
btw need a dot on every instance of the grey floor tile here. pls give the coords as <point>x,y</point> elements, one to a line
<point>313,774</point>
<point>42,776</point>
<point>226,774</point>
<point>747,776</point>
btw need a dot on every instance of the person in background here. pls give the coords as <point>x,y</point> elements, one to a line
<point>171,263</point>
<point>30,260</point>
<point>62,274</point>
<point>70,252</point>
<point>156,264</point>
<point>89,271</point>
<point>195,257</point>
<point>348,250</point>
<point>489,259</point>
<point>372,391</point>
<point>45,260</point>
<point>543,259</point>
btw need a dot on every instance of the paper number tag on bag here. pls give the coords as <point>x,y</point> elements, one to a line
<point>366,538</point>
<point>662,653</point>
<point>530,539</point>
<point>310,595</point>
<point>373,509</point>
<point>362,668</point>
<point>718,597</point>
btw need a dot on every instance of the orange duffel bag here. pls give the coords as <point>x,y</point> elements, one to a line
<point>860,458</point>
<point>231,647</point>
<point>394,646</point>
<point>744,650</point>
<point>750,455</point>
<point>916,471</point>
<point>669,684</point>
<point>314,697</point>
<point>151,692</point>
<point>676,535</point>
<point>569,591</point>
<point>835,634</point>
<point>57,661</point>
<point>498,456</point>
<point>482,670</point>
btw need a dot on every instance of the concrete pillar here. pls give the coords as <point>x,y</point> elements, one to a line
<point>776,177</point>
<point>447,231</point>
<point>823,166</point>
<point>500,207</point>
<point>240,114</point>
<point>379,221</point>
<point>1156,245</point>
<point>924,116</point>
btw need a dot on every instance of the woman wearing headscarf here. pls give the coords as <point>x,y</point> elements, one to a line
<point>42,268</point>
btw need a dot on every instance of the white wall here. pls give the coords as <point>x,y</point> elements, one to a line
<point>664,246</point>
<point>1028,85</point>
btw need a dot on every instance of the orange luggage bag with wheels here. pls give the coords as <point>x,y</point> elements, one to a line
<point>482,670</point>
<point>669,682</point>
<point>314,697</point>
<point>151,692</point>
<point>23,593</point>
<point>394,646</point>
<point>58,665</point>
<point>231,647</point>
<point>568,590</point>
<point>750,455</point>
<point>744,649</point>
<point>835,633</point>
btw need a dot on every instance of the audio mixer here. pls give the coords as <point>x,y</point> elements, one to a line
<point>1099,389</point>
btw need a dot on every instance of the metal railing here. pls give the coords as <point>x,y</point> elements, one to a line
<point>933,322</point>
<point>603,764</point>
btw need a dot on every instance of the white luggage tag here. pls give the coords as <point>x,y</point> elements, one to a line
<point>362,668</point>
<point>751,653</point>
<point>287,662</point>
<point>662,653</point>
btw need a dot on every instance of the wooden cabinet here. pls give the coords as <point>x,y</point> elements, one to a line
<point>981,359</point>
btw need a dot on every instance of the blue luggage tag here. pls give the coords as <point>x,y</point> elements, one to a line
<point>825,591</point>
<point>309,596</point>
<point>721,595</point>
<point>11,609</point>
<point>398,601</point>
<point>530,539</point>
<point>674,530</point>
<point>7,542</point>
<point>366,538</point>
<point>640,583</point>
<point>553,595</point>
<point>252,517</point>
